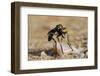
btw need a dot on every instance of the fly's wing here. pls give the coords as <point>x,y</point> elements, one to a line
<point>50,34</point>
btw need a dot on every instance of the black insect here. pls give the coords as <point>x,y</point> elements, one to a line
<point>59,30</point>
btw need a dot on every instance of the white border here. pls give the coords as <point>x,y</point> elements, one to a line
<point>25,64</point>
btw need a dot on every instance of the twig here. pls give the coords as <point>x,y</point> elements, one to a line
<point>60,45</point>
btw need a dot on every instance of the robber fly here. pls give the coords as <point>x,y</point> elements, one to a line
<point>59,30</point>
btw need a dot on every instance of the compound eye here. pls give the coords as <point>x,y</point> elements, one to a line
<point>60,27</point>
